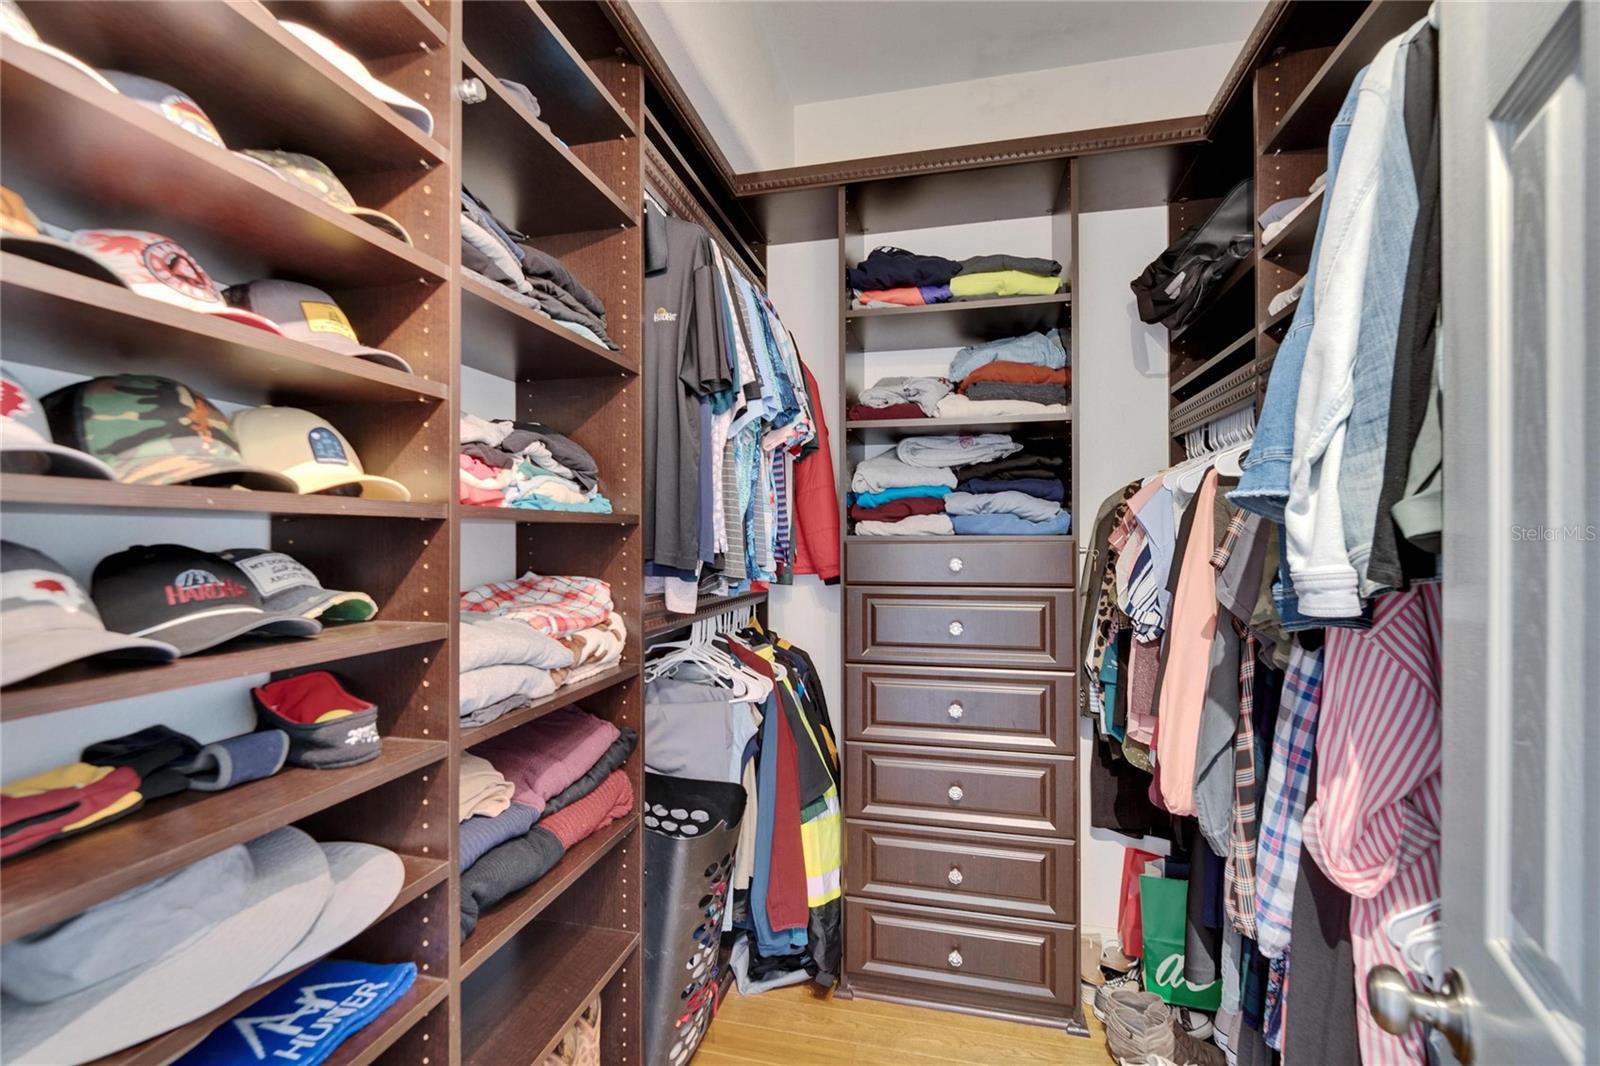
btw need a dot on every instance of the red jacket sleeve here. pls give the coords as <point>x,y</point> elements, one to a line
<point>816,501</point>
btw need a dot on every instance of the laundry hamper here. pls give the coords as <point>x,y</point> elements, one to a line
<point>691,828</point>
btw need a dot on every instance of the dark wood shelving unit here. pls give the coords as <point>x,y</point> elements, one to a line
<point>954,324</point>
<point>1237,351</point>
<point>520,1005</point>
<point>1294,240</point>
<point>518,40</point>
<point>529,515</point>
<point>20,492</point>
<point>501,337</point>
<point>525,174</point>
<point>564,696</point>
<point>657,619</point>
<point>510,916</point>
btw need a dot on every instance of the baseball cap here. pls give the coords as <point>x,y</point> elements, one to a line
<point>317,178</point>
<point>328,726</point>
<point>15,26</point>
<point>243,909</point>
<point>172,104</point>
<point>22,233</point>
<point>306,449</point>
<point>191,599</point>
<point>154,431</point>
<point>407,108</point>
<point>306,313</point>
<point>288,586</point>
<point>25,444</point>
<point>159,268</point>
<point>49,621</point>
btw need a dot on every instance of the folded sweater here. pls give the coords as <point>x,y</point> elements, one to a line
<point>1010,525</point>
<point>1010,390</point>
<point>480,834</point>
<point>902,492</point>
<point>918,525</point>
<point>888,472</point>
<point>549,753</point>
<point>955,450</point>
<point>1017,503</point>
<point>1016,374</point>
<point>1041,349</point>
<point>1045,488</point>
<point>1003,283</point>
<point>958,406</point>
<point>898,509</point>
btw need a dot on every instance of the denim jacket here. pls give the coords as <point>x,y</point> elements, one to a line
<point>1314,518</point>
<point>1264,483</point>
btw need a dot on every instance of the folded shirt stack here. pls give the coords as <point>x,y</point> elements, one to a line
<point>1008,378</point>
<point>565,778</point>
<point>904,494</point>
<point>1017,494</point>
<point>505,664</point>
<point>526,464</point>
<point>894,277</point>
<point>497,254</point>
<point>899,398</point>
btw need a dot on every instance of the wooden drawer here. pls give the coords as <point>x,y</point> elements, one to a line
<point>962,561</point>
<point>1018,876</point>
<point>960,627</point>
<point>962,789</point>
<point>1011,709</point>
<point>1012,968</point>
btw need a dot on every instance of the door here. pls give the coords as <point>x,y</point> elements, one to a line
<point>1521,187</point>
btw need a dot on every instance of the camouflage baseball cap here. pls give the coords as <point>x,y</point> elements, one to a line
<point>315,177</point>
<point>154,431</point>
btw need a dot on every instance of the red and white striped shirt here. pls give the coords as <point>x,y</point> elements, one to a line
<point>1374,827</point>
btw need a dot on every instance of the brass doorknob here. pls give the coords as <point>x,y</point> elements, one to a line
<point>1396,1005</point>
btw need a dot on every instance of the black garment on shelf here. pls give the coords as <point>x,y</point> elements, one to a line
<point>615,756</point>
<point>1395,561</point>
<point>150,753</point>
<point>983,264</point>
<point>1028,463</point>
<point>894,268</point>
<point>1177,285</point>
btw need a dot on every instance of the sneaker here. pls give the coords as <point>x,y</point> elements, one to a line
<point>1196,1023</point>
<point>1191,1051</point>
<point>1100,999</point>
<point>1138,1025</point>
<point>1112,958</point>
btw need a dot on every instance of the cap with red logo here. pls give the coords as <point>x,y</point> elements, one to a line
<point>47,620</point>
<point>26,446</point>
<point>159,268</point>
<point>189,598</point>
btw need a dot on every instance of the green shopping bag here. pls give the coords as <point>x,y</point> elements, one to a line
<point>1163,903</point>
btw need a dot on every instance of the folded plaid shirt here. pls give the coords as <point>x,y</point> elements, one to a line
<point>1283,807</point>
<point>553,605</point>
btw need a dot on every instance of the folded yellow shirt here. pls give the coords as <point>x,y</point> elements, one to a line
<point>1003,283</point>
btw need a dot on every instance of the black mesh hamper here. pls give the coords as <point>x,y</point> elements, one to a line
<point>691,828</point>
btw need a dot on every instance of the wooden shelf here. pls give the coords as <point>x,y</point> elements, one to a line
<point>884,430</point>
<point>1283,316</point>
<point>1294,240</point>
<point>421,875</point>
<point>1226,357</point>
<point>934,538</point>
<point>1216,399</point>
<point>513,914</point>
<point>658,620</point>
<point>518,1009</point>
<point>114,331</point>
<point>258,83</point>
<point>565,696</point>
<point>61,879</point>
<point>66,134</point>
<point>82,684</point>
<point>34,492</point>
<point>1207,315</point>
<point>533,516</point>
<point>367,29</point>
<point>954,324</point>
<point>524,174</point>
<point>1306,120</point>
<point>379,1035</point>
<point>501,337</point>
<point>515,39</point>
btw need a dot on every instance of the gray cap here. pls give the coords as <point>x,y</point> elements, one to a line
<point>306,313</point>
<point>287,585</point>
<point>26,446</point>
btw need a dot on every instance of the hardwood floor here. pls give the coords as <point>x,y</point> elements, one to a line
<point>799,1027</point>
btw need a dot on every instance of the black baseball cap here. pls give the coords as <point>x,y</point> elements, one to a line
<point>188,598</point>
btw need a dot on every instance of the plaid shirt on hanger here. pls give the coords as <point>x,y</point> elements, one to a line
<point>1284,807</point>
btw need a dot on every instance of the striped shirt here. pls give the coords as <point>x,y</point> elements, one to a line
<point>1283,806</point>
<point>1374,827</point>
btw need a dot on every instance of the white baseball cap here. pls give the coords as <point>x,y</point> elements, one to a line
<point>407,108</point>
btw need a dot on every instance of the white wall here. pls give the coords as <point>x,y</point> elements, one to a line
<point>1120,376</point>
<point>800,279</point>
<point>1135,89</point>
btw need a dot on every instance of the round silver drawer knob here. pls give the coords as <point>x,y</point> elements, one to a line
<point>954,876</point>
<point>954,959</point>
<point>956,629</point>
<point>956,565</point>
<point>955,793</point>
<point>955,711</point>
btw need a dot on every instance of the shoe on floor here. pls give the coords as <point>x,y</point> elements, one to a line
<point>1138,1025</point>
<point>1112,958</point>
<point>1091,973</point>
<point>1196,1023</point>
<point>1190,1051</point>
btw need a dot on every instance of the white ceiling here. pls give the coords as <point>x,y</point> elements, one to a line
<point>830,50</point>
